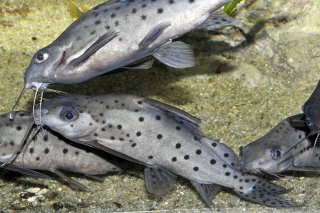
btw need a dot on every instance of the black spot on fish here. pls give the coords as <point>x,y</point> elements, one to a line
<point>160,10</point>
<point>37,158</point>
<point>143,17</point>
<point>18,128</point>
<point>214,144</point>
<point>12,143</point>
<point>46,151</point>
<point>128,135</point>
<point>178,128</point>
<point>77,153</point>
<point>97,22</point>
<point>150,157</point>
<point>224,166</point>
<point>171,1</point>
<point>93,32</point>
<point>103,129</point>
<point>158,117</point>
<point>21,114</point>
<point>227,173</point>
<point>112,138</point>
<point>141,119</point>
<point>144,5</point>
<point>134,10</point>
<point>110,126</point>
<point>139,102</point>
<point>113,15</point>
<point>119,127</point>
<point>198,152</point>
<point>159,136</point>
<point>235,177</point>
<point>191,1</point>
<point>31,150</point>
<point>195,168</point>
<point>95,134</point>
<point>186,157</point>
<point>178,145</point>
<point>116,23</point>
<point>90,124</point>
<point>65,151</point>
<point>226,155</point>
<point>174,159</point>
<point>213,161</point>
<point>138,134</point>
<point>133,145</point>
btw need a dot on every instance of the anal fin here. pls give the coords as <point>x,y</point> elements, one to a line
<point>206,191</point>
<point>175,54</point>
<point>158,181</point>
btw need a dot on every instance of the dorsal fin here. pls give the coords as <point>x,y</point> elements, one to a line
<point>186,120</point>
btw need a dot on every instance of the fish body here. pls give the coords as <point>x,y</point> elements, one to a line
<point>119,32</point>
<point>166,140</point>
<point>284,148</point>
<point>48,151</point>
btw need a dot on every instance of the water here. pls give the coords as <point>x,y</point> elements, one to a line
<point>239,95</point>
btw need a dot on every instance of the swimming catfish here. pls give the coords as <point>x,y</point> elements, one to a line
<point>284,148</point>
<point>49,151</point>
<point>166,140</point>
<point>119,32</point>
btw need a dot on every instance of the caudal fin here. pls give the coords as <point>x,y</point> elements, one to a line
<point>268,194</point>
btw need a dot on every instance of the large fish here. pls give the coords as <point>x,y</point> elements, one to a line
<point>284,148</point>
<point>166,140</point>
<point>48,151</point>
<point>119,32</point>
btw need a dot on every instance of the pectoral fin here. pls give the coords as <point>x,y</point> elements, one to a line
<point>100,42</point>
<point>158,180</point>
<point>176,54</point>
<point>25,171</point>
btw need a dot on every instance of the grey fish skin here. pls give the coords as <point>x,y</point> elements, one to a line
<point>119,32</point>
<point>312,112</point>
<point>48,151</point>
<point>284,148</point>
<point>166,140</point>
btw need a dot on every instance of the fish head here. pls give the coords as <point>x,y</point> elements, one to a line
<point>12,131</point>
<point>67,117</point>
<point>269,153</point>
<point>264,156</point>
<point>44,65</point>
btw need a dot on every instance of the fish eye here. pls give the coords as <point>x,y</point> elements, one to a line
<point>41,57</point>
<point>69,114</point>
<point>276,153</point>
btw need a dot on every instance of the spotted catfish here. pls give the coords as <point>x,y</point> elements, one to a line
<point>284,148</point>
<point>48,151</point>
<point>166,140</point>
<point>119,32</point>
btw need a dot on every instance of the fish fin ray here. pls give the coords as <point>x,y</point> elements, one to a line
<point>153,34</point>
<point>100,42</point>
<point>71,183</point>
<point>25,171</point>
<point>158,180</point>
<point>176,54</point>
<point>218,20</point>
<point>207,192</point>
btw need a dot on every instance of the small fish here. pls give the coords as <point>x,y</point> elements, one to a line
<point>166,140</point>
<point>48,151</point>
<point>102,39</point>
<point>284,148</point>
